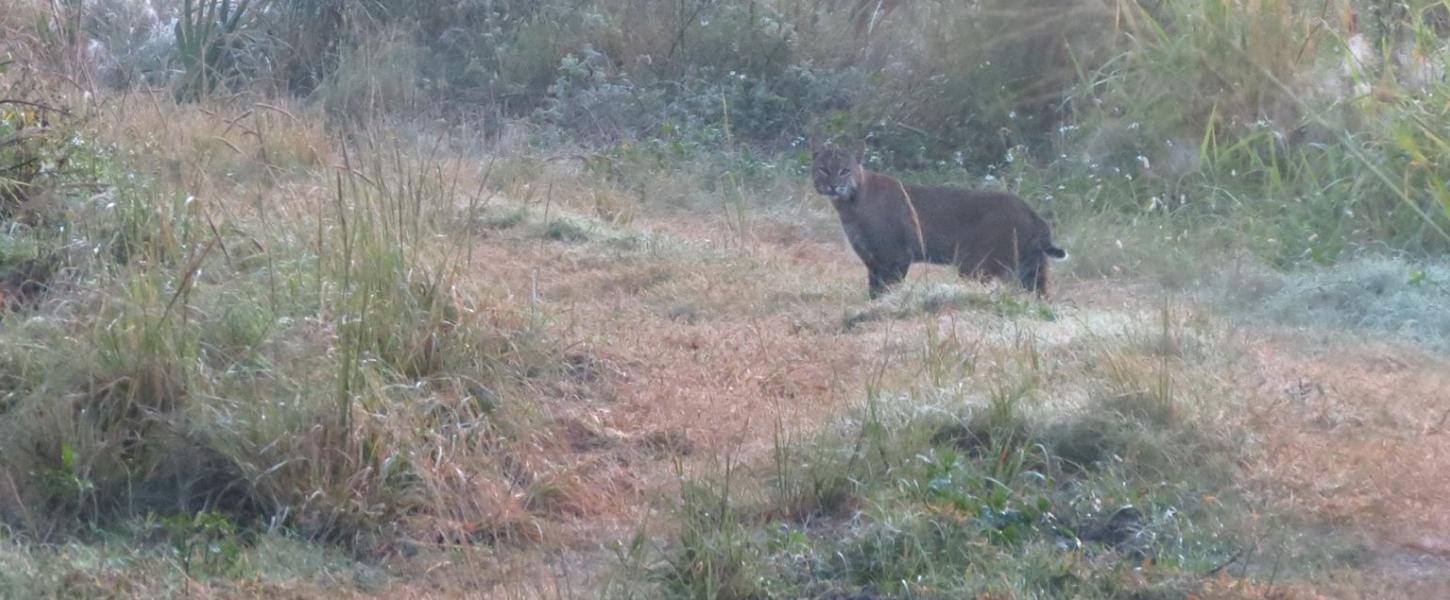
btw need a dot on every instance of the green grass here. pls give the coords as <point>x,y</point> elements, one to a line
<point>168,558</point>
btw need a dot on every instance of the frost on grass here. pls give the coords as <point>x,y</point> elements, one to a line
<point>1380,295</point>
<point>926,299</point>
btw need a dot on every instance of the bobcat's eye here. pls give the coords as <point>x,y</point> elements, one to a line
<point>845,172</point>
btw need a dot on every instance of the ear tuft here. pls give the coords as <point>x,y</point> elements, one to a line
<point>858,150</point>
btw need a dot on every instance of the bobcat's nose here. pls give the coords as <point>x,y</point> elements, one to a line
<point>841,191</point>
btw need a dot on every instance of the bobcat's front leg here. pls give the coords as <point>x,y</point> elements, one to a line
<point>881,278</point>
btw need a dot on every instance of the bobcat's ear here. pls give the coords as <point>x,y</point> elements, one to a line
<point>858,150</point>
<point>815,144</point>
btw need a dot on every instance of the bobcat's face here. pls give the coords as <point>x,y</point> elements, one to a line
<point>837,171</point>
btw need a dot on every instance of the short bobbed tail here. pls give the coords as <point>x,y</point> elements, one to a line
<point>1055,252</point>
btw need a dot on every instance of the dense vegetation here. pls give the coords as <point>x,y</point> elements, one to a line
<point>1317,122</point>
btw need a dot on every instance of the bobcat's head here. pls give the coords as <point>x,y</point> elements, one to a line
<point>837,171</point>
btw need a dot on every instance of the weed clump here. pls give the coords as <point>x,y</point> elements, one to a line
<point>568,230</point>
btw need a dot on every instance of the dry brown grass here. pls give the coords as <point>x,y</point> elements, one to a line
<point>671,352</point>
<point>1354,437</point>
<point>227,153</point>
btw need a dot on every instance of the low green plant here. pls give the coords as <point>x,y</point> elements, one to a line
<point>206,544</point>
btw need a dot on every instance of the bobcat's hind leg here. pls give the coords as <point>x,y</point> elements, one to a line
<point>1032,273</point>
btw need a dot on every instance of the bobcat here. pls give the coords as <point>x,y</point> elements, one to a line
<point>891,225</point>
